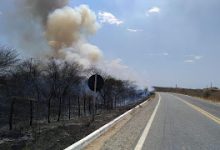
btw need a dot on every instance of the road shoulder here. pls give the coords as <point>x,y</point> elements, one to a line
<point>126,133</point>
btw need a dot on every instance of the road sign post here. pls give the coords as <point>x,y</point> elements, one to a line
<point>94,99</point>
<point>95,84</point>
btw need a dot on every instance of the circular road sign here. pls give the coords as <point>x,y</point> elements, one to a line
<point>99,82</point>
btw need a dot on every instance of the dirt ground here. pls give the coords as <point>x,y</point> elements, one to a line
<point>55,136</point>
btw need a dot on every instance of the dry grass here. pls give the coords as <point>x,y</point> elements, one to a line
<point>56,135</point>
<point>212,94</point>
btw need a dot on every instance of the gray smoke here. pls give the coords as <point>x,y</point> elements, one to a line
<point>41,8</point>
<point>42,28</point>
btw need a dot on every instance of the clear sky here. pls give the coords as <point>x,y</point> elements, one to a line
<point>165,42</point>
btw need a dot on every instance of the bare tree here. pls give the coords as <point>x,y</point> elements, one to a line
<point>23,84</point>
<point>69,79</point>
<point>31,74</point>
<point>8,57</point>
<point>57,85</point>
<point>109,92</point>
<point>50,77</point>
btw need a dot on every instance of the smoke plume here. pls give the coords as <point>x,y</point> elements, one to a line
<point>67,29</point>
<point>41,8</point>
<point>50,28</point>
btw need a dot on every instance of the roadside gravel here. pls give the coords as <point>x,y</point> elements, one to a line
<point>125,135</point>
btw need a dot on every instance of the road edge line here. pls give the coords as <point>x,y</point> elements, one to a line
<point>198,98</point>
<point>205,113</point>
<point>97,133</point>
<point>144,135</point>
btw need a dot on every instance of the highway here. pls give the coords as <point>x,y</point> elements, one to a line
<point>179,126</point>
<point>170,122</point>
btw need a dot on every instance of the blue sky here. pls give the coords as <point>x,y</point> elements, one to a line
<point>164,42</point>
<point>167,42</point>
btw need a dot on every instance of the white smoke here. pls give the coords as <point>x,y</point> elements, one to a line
<point>50,28</point>
<point>84,53</point>
<point>118,69</point>
<point>67,29</point>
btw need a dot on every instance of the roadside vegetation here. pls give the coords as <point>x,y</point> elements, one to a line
<point>212,94</point>
<point>45,101</point>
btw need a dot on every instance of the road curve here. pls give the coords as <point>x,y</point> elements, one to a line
<point>178,126</point>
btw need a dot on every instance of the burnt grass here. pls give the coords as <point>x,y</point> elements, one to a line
<point>56,135</point>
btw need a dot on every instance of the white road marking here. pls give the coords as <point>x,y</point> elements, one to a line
<point>81,144</point>
<point>147,128</point>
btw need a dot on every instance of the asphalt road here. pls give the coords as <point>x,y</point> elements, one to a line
<point>167,122</point>
<point>213,108</point>
<point>126,137</point>
<point>178,125</point>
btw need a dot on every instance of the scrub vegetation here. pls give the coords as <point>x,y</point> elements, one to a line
<point>39,98</point>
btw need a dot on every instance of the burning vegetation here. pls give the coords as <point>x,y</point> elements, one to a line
<point>52,85</point>
<point>35,94</point>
